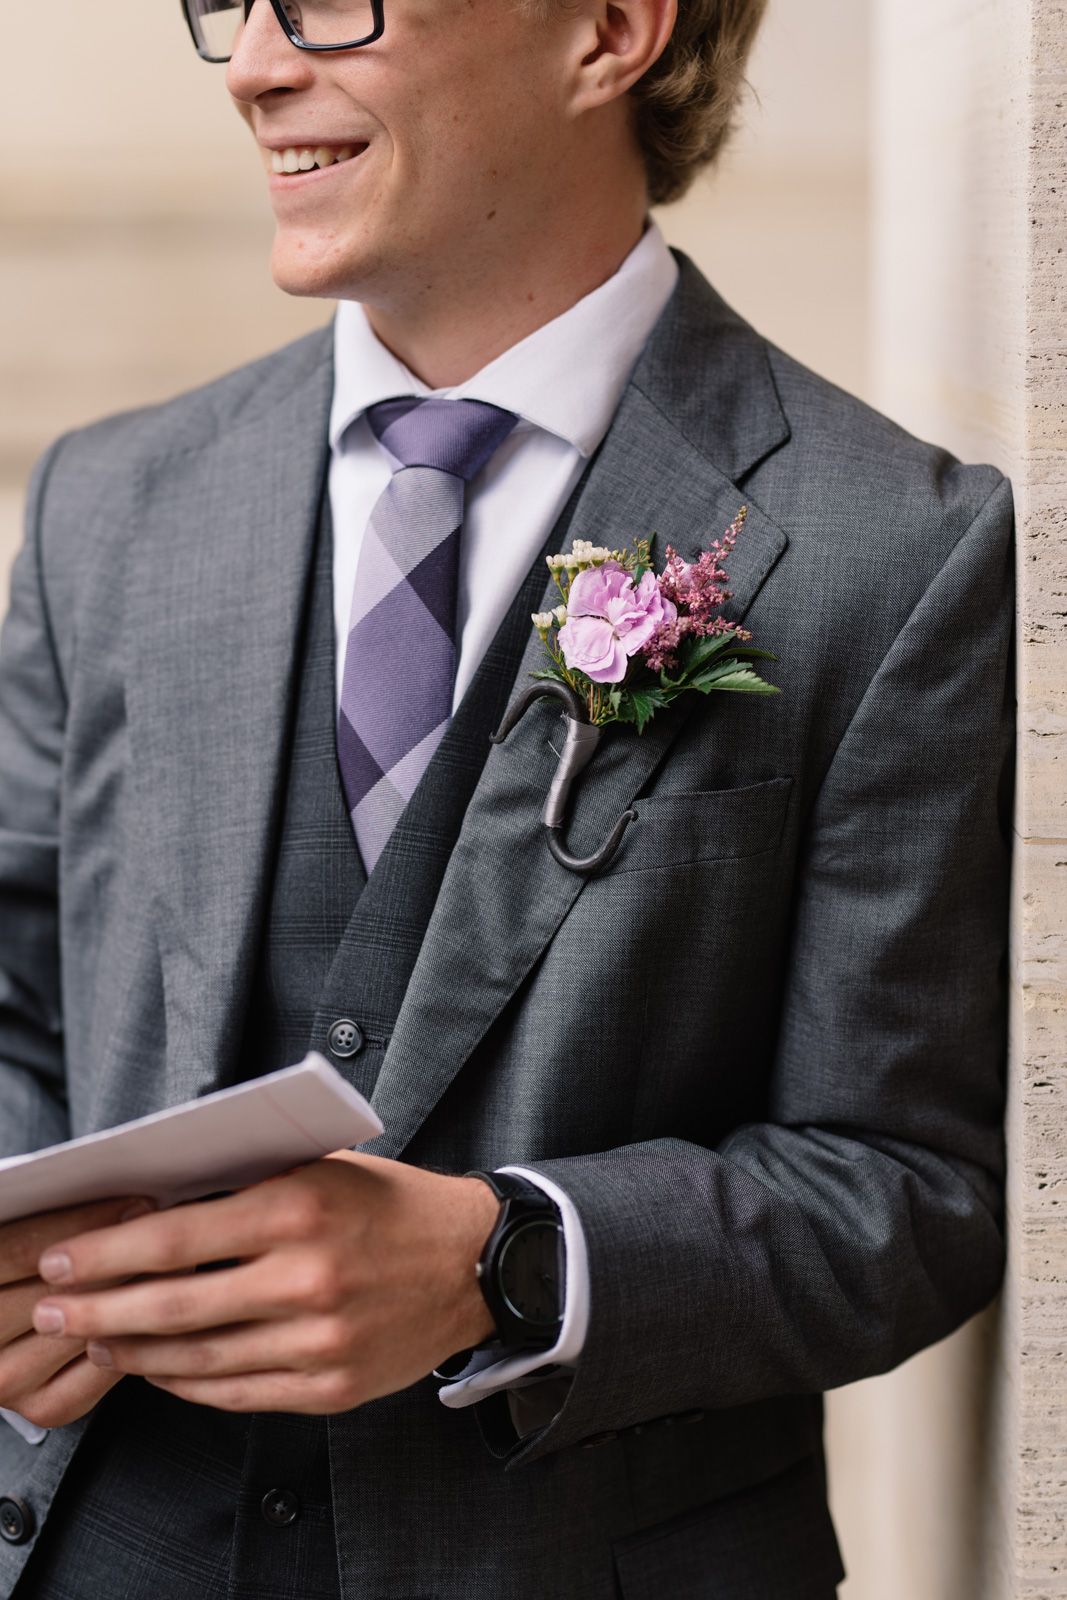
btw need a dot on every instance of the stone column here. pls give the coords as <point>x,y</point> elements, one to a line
<point>970,349</point>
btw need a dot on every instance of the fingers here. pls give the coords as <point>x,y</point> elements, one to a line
<point>283,1284</point>
<point>267,1391</point>
<point>28,1363</point>
<point>159,1306</point>
<point>241,1225</point>
<point>74,1390</point>
<point>23,1242</point>
<point>17,1301</point>
<point>306,1345</point>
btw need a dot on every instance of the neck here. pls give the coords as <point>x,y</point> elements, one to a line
<point>449,332</point>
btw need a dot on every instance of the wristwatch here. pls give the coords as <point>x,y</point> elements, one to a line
<point>522,1271</point>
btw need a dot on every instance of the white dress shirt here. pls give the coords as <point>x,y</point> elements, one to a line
<point>564,382</point>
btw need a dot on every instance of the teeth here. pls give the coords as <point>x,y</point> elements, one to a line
<point>303,158</point>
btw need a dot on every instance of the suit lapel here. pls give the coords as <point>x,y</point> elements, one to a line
<point>503,897</point>
<point>216,602</point>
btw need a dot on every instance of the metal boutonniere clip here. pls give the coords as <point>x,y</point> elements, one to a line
<point>624,644</point>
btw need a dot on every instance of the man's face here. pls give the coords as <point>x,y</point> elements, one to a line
<point>453,129</point>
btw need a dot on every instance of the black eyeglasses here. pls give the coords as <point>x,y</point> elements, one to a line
<point>309,24</point>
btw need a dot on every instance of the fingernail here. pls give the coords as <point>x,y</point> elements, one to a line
<point>49,1319</point>
<point>136,1208</point>
<point>99,1354</point>
<point>55,1266</point>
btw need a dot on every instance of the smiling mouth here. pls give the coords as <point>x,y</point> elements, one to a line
<point>306,158</point>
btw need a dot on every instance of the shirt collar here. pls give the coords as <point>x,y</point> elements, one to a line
<point>566,377</point>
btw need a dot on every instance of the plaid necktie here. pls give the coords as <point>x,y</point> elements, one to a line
<point>400,660</point>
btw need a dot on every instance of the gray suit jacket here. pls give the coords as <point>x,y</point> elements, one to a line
<point>762,1052</point>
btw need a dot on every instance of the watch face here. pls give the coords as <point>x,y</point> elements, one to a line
<point>528,1273</point>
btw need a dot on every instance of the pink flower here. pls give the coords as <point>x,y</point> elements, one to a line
<point>609,620</point>
<point>661,652</point>
<point>698,587</point>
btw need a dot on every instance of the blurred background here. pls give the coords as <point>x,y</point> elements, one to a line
<point>134,241</point>
<point>135,228</point>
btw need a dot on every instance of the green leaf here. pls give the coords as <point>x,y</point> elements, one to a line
<point>719,669</point>
<point>554,677</point>
<point>696,654</point>
<point>703,650</point>
<point>645,703</point>
<point>739,680</point>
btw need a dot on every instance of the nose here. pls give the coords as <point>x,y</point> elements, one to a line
<point>263,61</point>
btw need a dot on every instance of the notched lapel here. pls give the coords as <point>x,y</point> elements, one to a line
<point>503,896</point>
<point>216,599</point>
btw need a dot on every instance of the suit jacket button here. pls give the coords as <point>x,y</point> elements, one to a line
<point>16,1519</point>
<point>345,1039</point>
<point>280,1507</point>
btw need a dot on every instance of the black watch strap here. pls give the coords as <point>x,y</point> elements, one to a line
<point>509,1186</point>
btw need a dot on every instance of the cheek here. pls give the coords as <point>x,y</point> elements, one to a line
<point>244,112</point>
<point>478,92</point>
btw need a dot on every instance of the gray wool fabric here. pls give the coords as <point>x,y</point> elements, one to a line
<point>763,1052</point>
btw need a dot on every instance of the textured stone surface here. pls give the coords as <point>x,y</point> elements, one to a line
<point>971,349</point>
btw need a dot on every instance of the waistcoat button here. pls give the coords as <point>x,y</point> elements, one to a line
<point>280,1507</point>
<point>345,1039</point>
<point>16,1519</point>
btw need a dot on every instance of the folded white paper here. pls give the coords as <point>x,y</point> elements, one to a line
<point>225,1140</point>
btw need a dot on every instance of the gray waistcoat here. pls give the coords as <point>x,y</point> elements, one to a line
<point>335,945</point>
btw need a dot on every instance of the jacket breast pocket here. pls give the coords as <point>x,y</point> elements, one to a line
<point>773,1542</point>
<point>708,825</point>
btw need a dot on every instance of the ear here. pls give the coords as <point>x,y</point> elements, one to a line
<point>619,40</point>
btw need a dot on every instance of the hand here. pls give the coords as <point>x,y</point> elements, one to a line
<point>353,1278</point>
<point>48,1381</point>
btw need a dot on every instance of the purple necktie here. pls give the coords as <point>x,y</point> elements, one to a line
<point>400,660</point>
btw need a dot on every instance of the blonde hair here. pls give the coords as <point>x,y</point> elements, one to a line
<point>685,104</point>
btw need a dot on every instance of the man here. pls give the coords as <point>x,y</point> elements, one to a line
<point>751,1070</point>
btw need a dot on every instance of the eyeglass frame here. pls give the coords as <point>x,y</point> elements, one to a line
<point>377,8</point>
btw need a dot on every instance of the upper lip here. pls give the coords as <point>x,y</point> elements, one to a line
<point>313,142</point>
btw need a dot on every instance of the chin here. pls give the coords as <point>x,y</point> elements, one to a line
<point>308,265</point>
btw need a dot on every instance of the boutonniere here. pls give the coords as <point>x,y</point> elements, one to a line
<point>629,642</point>
<point>624,643</point>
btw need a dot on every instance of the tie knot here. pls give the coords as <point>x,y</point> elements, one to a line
<point>456,436</point>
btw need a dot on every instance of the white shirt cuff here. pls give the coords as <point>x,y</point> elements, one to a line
<point>486,1373</point>
<point>29,1430</point>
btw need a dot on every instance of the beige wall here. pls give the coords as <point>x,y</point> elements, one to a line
<point>134,228</point>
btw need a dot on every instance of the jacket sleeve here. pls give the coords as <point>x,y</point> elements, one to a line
<point>862,1220</point>
<point>32,718</point>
